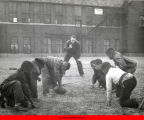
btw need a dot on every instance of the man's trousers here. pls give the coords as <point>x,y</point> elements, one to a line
<point>79,64</point>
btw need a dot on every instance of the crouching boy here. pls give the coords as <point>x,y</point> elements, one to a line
<point>52,71</point>
<point>98,74</point>
<point>121,61</point>
<point>125,83</point>
<point>15,91</point>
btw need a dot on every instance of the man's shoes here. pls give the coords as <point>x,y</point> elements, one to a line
<point>24,103</point>
<point>139,100</point>
<point>82,75</point>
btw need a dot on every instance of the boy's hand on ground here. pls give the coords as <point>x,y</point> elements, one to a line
<point>108,103</point>
<point>33,106</point>
<point>92,87</point>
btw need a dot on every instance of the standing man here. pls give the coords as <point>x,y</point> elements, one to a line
<point>122,62</point>
<point>72,48</point>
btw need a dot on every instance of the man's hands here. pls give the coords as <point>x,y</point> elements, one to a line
<point>39,79</point>
<point>70,46</point>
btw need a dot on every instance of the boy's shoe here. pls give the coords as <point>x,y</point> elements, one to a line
<point>139,100</point>
<point>24,103</point>
<point>142,108</point>
<point>140,103</point>
<point>92,86</point>
<point>35,99</point>
<point>19,107</point>
<point>114,90</point>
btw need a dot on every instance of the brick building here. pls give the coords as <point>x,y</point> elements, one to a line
<point>43,26</point>
<point>133,26</point>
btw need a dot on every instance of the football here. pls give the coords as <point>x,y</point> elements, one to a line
<point>59,90</point>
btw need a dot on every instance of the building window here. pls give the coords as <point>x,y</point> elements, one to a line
<point>59,14</point>
<point>98,11</point>
<point>37,13</point>
<point>89,16</point>
<point>70,17</point>
<point>116,20</point>
<point>47,19</point>
<point>78,11</point>
<point>78,22</point>
<point>47,13</point>
<point>27,45</point>
<point>87,46</point>
<point>59,19</point>
<point>46,45</point>
<point>14,45</point>
<point>56,46</point>
<point>106,44</point>
<point>12,17</point>
<point>89,20</point>
<point>78,14</point>
<point>12,12</point>
<point>109,20</point>
<point>141,21</point>
<point>25,16</point>
<point>15,20</point>
<point>51,45</point>
<point>31,14</point>
<point>116,44</point>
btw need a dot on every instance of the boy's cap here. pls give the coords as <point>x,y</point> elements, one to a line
<point>98,61</point>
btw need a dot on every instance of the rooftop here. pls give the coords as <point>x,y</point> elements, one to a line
<point>106,3</point>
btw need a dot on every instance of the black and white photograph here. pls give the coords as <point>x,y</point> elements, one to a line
<point>71,57</point>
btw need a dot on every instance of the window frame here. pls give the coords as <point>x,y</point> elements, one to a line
<point>59,14</point>
<point>12,12</point>
<point>106,44</point>
<point>55,46</point>
<point>16,49</point>
<point>27,51</point>
<point>141,20</point>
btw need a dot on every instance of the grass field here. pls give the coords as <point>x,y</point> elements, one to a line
<point>79,99</point>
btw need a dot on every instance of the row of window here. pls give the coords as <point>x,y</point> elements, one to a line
<point>48,45</point>
<point>55,46</point>
<point>14,46</point>
<point>55,14</point>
